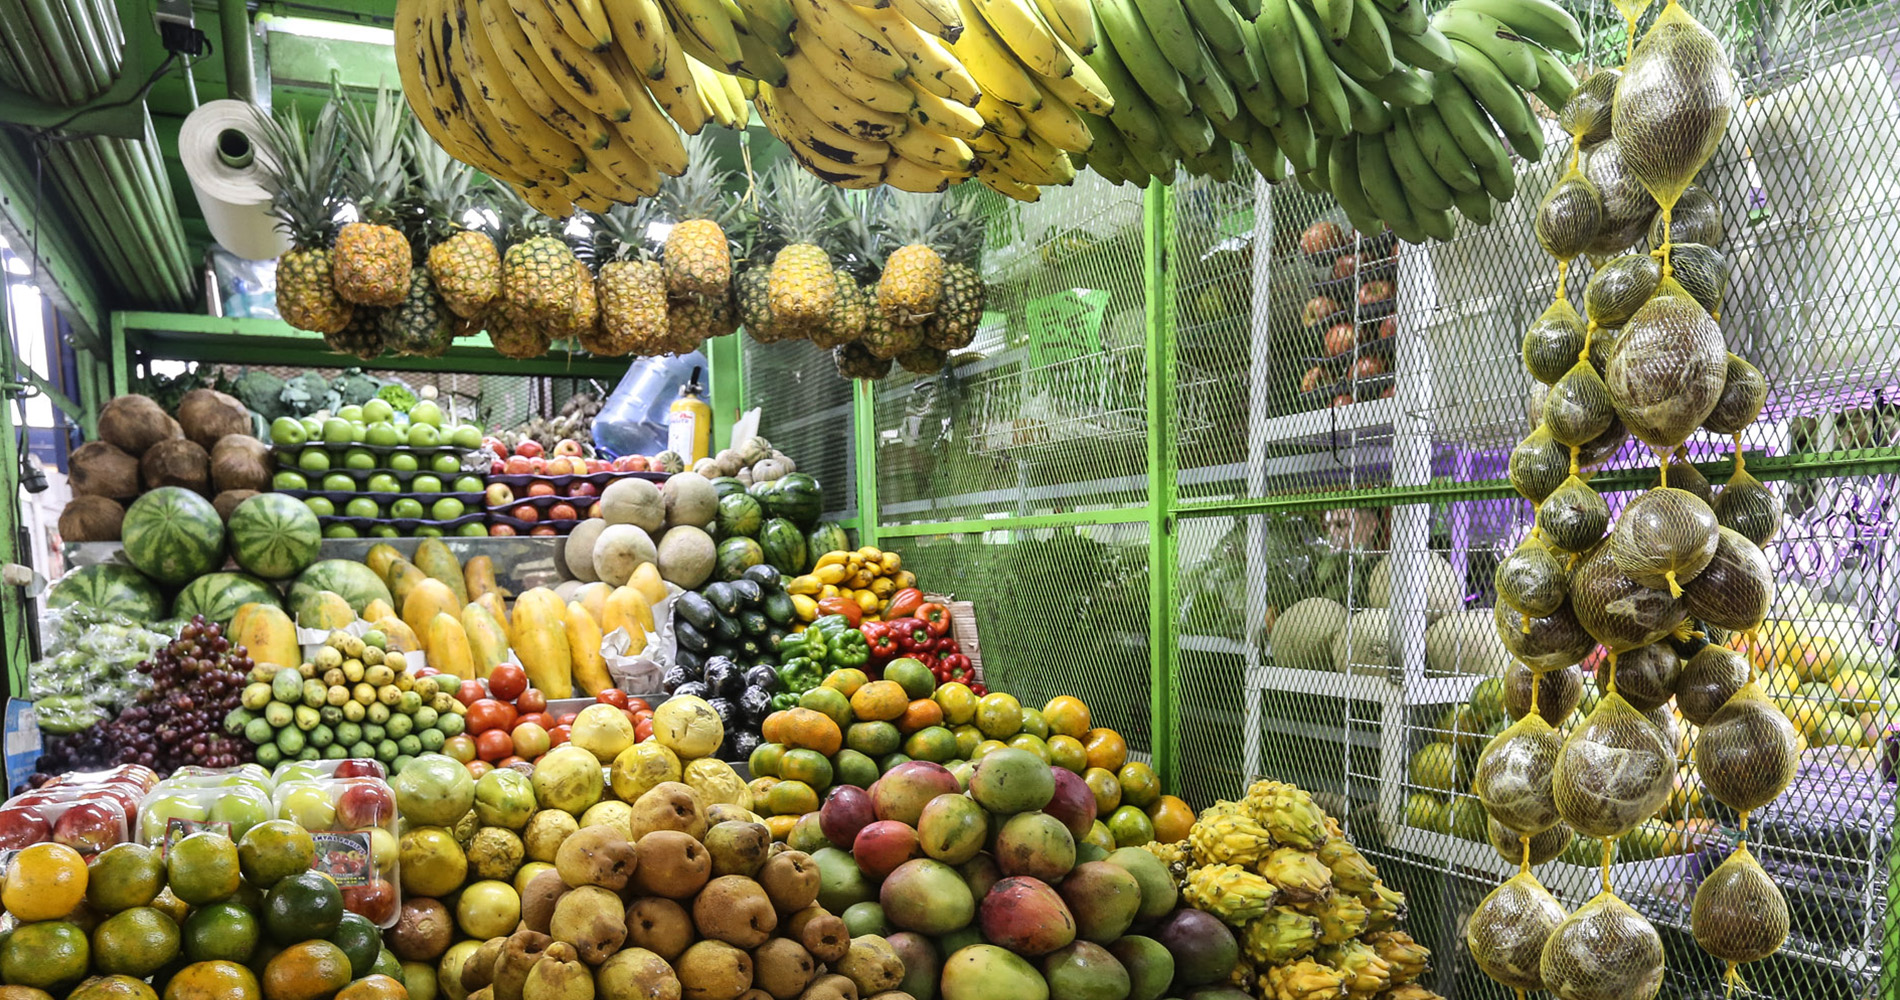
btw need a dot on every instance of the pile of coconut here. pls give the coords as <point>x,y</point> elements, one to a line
<point>210,449</point>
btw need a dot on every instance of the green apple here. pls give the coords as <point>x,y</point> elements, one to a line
<point>383,434</point>
<point>359,458</point>
<point>312,428</point>
<point>384,531</point>
<point>352,412</point>
<point>341,530</point>
<point>426,412</point>
<point>428,531</point>
<point>339,482</point>
<point>358,430</point>
<point>446,464</point>
<point>320,506</point>
<point>362,507</point>
<point>241,811</point>
<point>288,480</point>
<point>286,458</point>
<point>162,809</point>
<point>446,509</point>
<point>308,806</point>
<point>466,436</point>
<point>313,460</point>
<point>337,430</point>
<point>469,484</point>
<point>474,529</point>
<point>383,482</point>
<point>406,507</point>
<point>425,483</point>
<point>404,461</point>
<point>288,431</point>
<point>424,435</point>
<point>377,409</point>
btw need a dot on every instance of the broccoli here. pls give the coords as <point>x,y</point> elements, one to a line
<point>262,392</point>
<point>398,396</point>
<point>304,394</point>
<point>355,387</point>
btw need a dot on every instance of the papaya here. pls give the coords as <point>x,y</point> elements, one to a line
<point>646,579</point>
<point>487,640</point>
<point>268,634</point>
<point>627,608</point>
<point>380,557</point>
<point>404,577</point>
<point>398,637</point>
<point>593,597</point>
<point>434,558</point>
<point>430,597</point>
<point>377,608</point>
<point>583,648</point>
<point>329,610</point>
<point>492,603</point>
<point>479,574</point>
<point>447,646</point>
<point>539,637</point>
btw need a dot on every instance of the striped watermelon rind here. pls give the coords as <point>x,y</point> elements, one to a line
<point>217,596</point>
<point>274,536</point>
<point>348,579</point>
<point>173,535</point>
<point>119,590</point>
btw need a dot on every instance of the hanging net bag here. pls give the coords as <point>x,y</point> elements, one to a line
<point>1620,287</point>
<point>1513,778</point>
<point>1551,642</point>
<point>1744,393</point>
<point>1553,342</point>
<point>1586,115</point>
<point>1573,517</point>
<point>1739,914</point>
<point>1747,753</point>
<point>1696,218</point>
<point>1748,508</point>
<point>1538,465</point>
<point>1667,372</point>
<point>1531,579</point>
<point>1664,539</point>
<point>1617,611</point>
<point>1709,679</point>
<point>1604,951</point>
<point>1646,676</point>
<point>1679,472</point>
<point>1627,206</point>
<point>1736,587</point>
<point>1508,930</point>
<point>1557,692</point>
<point>1673,104</point>
<point>1613,772</point>
<point>1543,846</point>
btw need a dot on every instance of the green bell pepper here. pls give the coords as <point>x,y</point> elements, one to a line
<point>833,627</point>
<point>784,701</point>
<point>810,643</point>
<point>847,649</point>
<point>800,674</point>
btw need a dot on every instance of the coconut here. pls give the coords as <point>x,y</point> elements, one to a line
<point>133,423</point>
<point>91,519</point>
<point>227,501</point>
<point>99,469</point>
<point>208,415</point>
<point>240,462</point>
<point>176,462</point>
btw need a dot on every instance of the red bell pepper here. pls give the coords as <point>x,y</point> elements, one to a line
<point>882,639</point>
<point>978,688</point>
<point>904,603</point>
<point>935,617</point>
<point>912,636</point>
<point>943,645</point>
<point>927,659</point>
<point>957,667</point>
<point>843,606</point>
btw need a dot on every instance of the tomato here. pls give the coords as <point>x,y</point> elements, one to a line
<point>566,719</point>
<point>537,718</point>
<point>642,716</point>
<point>493,745</point>
<point>639,705</point>
<point>508,681</point>
<point>532,700</point>
<point>487,714</point>
<point>477,768</point>
<point>631,721</point>
<point>558,735</point>
<point>510,761</point>
<point>470,692</point>
<point>612,696</point>
<point>642,730</point>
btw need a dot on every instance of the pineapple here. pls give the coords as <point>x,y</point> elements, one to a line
<point>583,312</point>
<point>854,361</point>
<point>372,256</point>
<point>698,251</point>
<point>631,288</point>
<point>691,319</point>
<point>301,172</point>
<point>960,310</point>
<point>911,285</point>
<point>883,338</point>
<point>867,241</point>
<point>922,360</point>
<point>753,301</point>
<point>846,322</point>
<point>514,334</point>
<point>463,263</point>
<point>362,336</point>
<point>420,324</point>
<point>538,277</point>
<point>802,282</point>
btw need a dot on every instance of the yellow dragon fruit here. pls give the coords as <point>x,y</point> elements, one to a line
<point>1351,871</point>
<point>1230,839</point>
<point>1385,906</point>
<point>1366,973</point>
<point>1281,936</point>
<point>1408,959</point>
<point>1304,980</point>
<point>1409,991</point>
<point>1288,813</point>
<point>1341,917</point>
<point>1299,875</point>
<point>1230,892</point>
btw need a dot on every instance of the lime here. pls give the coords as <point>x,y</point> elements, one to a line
<point>302,907</point>
<point>387,964</point>
<point>47,955</point>
<point>221,931</point>
<point>124,876</point>
<point>361,940</point>
<point>932,743</point>
<point>849,767</point>
<point>136,942</point>
<point>203,868</point>
<point>275,850</point>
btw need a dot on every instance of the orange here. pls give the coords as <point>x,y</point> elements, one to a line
<point>45,882</point>
<point>968,737</point>
<point>880,701</point>
<point>920,714</point>
<point>847,681</point>
<point>958,701</point>
<point>213,981</point>
<point>1106,749</point>
<point>1067,715</point>
<point>769,730</point>
<point>828,702</point>
<point>1131,827</point>
<point>806,729</point>
<point>781,826</point>
<point>987,747</point>
<point>23,993</point>
<point>932,743</point>
<point>1107,789</point>
<point>113,987</point>
<point>791,798</point>
<point>374,988</point>
<point>1034,724</point>
<point>999,715</point>
<point>311,970</point>
<point>759,786</point>
<point>1066,752</point>
<point>1140,786</point>
<point>1172,819</point>
<point>1030,743</point>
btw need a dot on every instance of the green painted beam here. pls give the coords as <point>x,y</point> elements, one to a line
<point>1066,519</point>
<point>33,226</point>
<point>1158,299</point>
<point>13,602</point>
<point>864,441</point>
<point>726,385</point>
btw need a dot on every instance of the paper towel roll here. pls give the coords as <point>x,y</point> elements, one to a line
<point>221,149</point>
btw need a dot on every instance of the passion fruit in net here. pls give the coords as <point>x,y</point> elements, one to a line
<point>1549,642</point>
<point>1673,104</point>
<point>1748,508</point>
<point>1666,373</point>
<point>1544,846</point>
<point>1604,951</point>
<point>1645,676</point>
<point>1604,446</point>
<point>1553,342</point>
<point>1620,287</point>
<point>1744,392</point>
<point>1569,216</point>
<point>1664,539</point>
<point>1573,517</point>
<point>1513,777</point>
<point>1739,914</point>
<point>1663,717</point>
<point>1559,692</point>
<point>1696,218</point>
<point>1613,772</point>
<point>1508,929</point>
<point>1736,588</point>
<point>1578,407</point>
<point>1747,753</point>
<point>1708,680</point>
<point>1627,206</point>
<point>1531,579</point>
<point>1617,611</point>
<point>1538,464</point>
<point>1586,115</point>
<point>1683,475</point>
<point>1702,271</point>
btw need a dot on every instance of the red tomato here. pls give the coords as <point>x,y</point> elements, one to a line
<point>536,718</point>
<point>639,705</point>
<point>641,716</point>
<point>508,681</point>
<point>469,692</point>
<point>566,719</point>
<point>532,700</point>
<point>493,745</point>
<point>558,735</point>
<point>631,721</point>
<point>424,671</point>
<point>487,714</point>
<point>612,696</point>
<point>510,761</point>
<point>477,768</point>
<point>643,730</point>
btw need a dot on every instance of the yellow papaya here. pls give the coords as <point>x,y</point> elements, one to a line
<point>539,637</point>
<point>492,603</point>
<point>403,579</point>
<point>583,649</point>
<point>381,556</point>
<point>646,579</point>
<point>377,608</point>
<point>328,611</point>
<point>434,558</point>
<point>267,633</point>
<point>627,608</point>
<point>487,640</point>
<point>447,647</point>
<point>430,597</point>
<point>397,635</point>
<point>593,597</point>
<point>479,574</point>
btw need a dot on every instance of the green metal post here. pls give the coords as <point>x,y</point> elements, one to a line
<point>121,363</point>
<point>234,28</point>
<point>1158,294</point>
<point>864,431</point>
<point>13,609</point>
<point>725,355</point>
<point>88,393</point>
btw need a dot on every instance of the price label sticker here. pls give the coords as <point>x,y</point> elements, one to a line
<point>344,857</point>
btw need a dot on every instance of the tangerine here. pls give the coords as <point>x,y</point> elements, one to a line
<point>1034,724</point>
<point>376,987</point>
<point>958,701</point>
<point>920,714</point>
<point>880,701</point>
<point>308,970</point>
<point>1140,786</point>
<point>1172,817</point>
<point>794,798</point>
<point>806,729</point>
<point>1130,827</point>
<point>113,987</point>
<point>124,876</point>
<point>771,729</point>
<point>1067,752</point>
<point>47,955</point>
<point>136,942</point>
<point>44,882</point>
<point>781,826</point>
<point>846,681</point>
<point>828,702</point>
<point>1067,715</point>
<point>1106,749</point>
<point>999,715</point>
<point>1107,789</point>
<point>214,980</point>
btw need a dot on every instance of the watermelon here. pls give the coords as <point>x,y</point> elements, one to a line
<point>173,535</point>
<point>217,596</point>
<point>120,590</point>
<point>736,555</point>
<point>828,536</point>
<point>796,496</point>
<point>350,580</point>
<point>738,515</point>
<point>725,486</point>
<point>783,545</point>
<point>274,535</point>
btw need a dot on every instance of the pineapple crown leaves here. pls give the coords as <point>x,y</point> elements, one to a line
<point>961,228</point>
<point>625,232</point>
<point>519,220</point>
<point>797,208</point>
<point>377,173</point>
<point>440,196</point>
<point>700,191</point>
<point>300,168</point>
<point>864,241</point>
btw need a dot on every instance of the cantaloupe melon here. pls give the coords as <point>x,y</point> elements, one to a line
<point>636,502</point>
<point>686,556</point>
<point>1466,642</point>
<point>620,550</point>
<point>566,590</point>
<point>1365,646</point>
<point>578,550</point>
<point>1302,636</point>
<point>690,499</point>
<point>1444,592</point>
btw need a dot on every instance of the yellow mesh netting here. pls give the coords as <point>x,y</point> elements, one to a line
<point>1746,753</point>
<point>1627,206</point>
<point>1709,679</point>
<point>1645,676</point>
<point>1673,103</point>
<point>1696,218</point>
<point>1569,216</point>
<point>1578,407</point>
<point>1617,611</point>
<point>1531,579</point>
<point>1620,287</point>
<point>1544,643</point>
<point>1586,115</point>
<point>1604,951</point>
<point>1573,517</point>
<point>1739,914</point>
<point>1551,344</point>
<point>1666,373</point>
<point>1664,539</point>
<point>1702,271</point>
<point>1508,931</point>
<point>1605,445</point>
<point>1614,771</point>
<point>1747,507</point>
<point>1538,465</point>
<point>1513,777</point>
<point>1543,846</point>
<point>1735,588</point>
<point>1679,472</point>
<point>1744,391</point>
<point>1557,692</point>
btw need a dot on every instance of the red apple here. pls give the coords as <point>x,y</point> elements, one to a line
<point>598,465</point>
<point>525,513</point>
<point>568,446</point>
<point>518,466</point>
<point>90,827</point>
<point>1374,291</point>
<point>538,489</point>
<point>366,803</point>
<point>1322,236</point>
<point>499,495</point>
<point>128,799</point>
<point>881,846</point>
<point>498,468</point>
<point>640,463</point>
<point>501,531</point>
<point>1346,265</point>
<point>22,826</point>
<point>1339,339</point>
<point>538,466</point>
<point>1388,327</point>
<point>528,449</point>
<point>583,490</point>
<point>1317,308</point>
<point>543,531</point>
<point>1367,366</point>
<point>556,466</point>
<point>359,767</point>
<point>624,463</point>
<point>563,512</point>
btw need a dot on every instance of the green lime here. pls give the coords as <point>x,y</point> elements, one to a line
<point>136,942</point>
<point>359,939</point>
<point>48,955</point>
<point>225,931</point>
<point>124,876</point>
<point>302,908</point>
<point>849,767</point>
<point>387,964</point>
<point>275,850</point>
<point>203,868</point>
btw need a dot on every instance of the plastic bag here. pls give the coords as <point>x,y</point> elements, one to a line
<point>1744,392</point>
<point>1531,579</point>
<point>1617,611</point>
<point>1553,342</point>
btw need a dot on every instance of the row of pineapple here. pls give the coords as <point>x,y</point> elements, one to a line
<point>1311,914</point>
